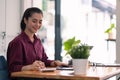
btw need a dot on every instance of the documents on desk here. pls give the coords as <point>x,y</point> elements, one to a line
<point>105,64</point>
<point>51,69</point>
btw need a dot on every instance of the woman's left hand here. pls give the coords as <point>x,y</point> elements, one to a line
<point>58,63</point>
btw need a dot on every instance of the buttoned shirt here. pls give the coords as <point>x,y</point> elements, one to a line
<point>21,51</point>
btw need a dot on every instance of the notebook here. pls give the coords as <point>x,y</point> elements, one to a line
<point>48,69</point>
<point>64,68</point>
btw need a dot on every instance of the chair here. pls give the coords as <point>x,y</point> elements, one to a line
<point>3,68</point>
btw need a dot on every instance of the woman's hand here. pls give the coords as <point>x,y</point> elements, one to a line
<point>37,65</point>
<point>58,63</point>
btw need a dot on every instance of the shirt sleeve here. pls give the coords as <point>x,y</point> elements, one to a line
<point>14,56</point>
<point>45,59</point>
<point>42,54</point>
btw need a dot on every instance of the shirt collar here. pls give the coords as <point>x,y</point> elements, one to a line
<point>25,36</point>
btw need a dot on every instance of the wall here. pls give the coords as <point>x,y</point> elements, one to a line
<point>118,33</point>
<point>10,17</point>
<point>9,22</point>
<point>2,26</point>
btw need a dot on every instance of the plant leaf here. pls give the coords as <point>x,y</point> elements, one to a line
<point>68,44</point>
<point>110,28</point>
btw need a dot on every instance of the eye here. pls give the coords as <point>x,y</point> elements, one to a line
<point>34,21</point>
<point>40,22</point>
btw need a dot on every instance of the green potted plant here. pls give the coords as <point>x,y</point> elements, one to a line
<point>76,49</point>
<point>79,52</point>
<point>109,31</point>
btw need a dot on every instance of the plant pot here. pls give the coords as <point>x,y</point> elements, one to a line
<point>80,66</point>
<point>110,35</point>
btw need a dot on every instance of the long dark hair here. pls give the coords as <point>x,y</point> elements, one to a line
<point>28,13</point>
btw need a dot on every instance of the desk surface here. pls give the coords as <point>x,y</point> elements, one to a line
<point>98,73</point>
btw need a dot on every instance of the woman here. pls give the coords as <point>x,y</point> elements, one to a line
<point>25,52</point>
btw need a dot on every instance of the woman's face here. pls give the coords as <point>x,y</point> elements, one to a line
<point>33,23</point>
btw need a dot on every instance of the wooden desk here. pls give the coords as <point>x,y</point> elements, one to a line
<point>98,73</point>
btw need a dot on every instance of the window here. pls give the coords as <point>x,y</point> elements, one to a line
<point>87,23</point>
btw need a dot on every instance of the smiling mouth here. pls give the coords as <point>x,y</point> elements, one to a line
<point>35,29</point>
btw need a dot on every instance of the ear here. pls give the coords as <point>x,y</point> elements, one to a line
<point>25,21</point>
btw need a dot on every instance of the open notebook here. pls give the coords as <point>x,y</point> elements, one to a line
<point>64,68</point>
<point>48,69</point>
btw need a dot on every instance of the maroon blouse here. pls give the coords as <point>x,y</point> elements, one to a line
<point>21,51</point>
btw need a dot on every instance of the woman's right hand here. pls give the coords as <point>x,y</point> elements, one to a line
<point>37,65</point>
